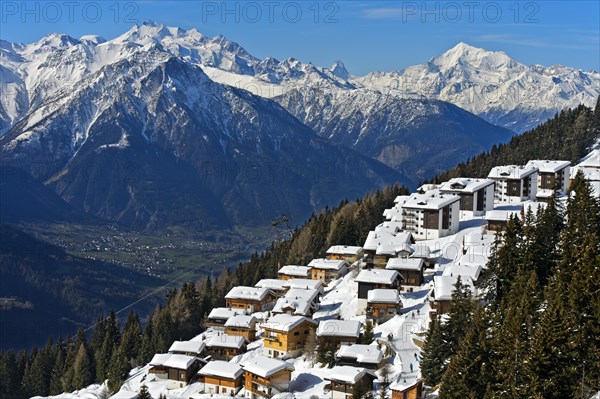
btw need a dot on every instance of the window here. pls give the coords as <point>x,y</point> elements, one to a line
<point>297,333</point>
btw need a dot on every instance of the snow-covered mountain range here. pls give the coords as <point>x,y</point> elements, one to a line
<point>168,101</point>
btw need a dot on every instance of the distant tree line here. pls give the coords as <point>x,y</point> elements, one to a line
<point>110,351</point>
<point>567,136</point>
<point>537,332</point>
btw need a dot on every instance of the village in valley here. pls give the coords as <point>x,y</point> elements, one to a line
<point>354,322</point>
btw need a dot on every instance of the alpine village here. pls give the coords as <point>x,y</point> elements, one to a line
<point>484,283</point>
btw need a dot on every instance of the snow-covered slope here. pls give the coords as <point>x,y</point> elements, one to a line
<point>492,85</point>
<point>151,141</point>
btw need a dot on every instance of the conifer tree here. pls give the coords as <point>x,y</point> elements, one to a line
<point>549,359</point>
<point>512,340</point>
<point>460,314</point>
<point>434,354</point>
<point>469,375</point>
<point>144,394</point>
<point>117,370</point>
<point>56,377</point>
<point>82,368</point>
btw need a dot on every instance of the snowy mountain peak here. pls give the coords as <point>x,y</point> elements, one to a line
<point>339,70</point>
<point>465,54</point>
<point>92,39</point>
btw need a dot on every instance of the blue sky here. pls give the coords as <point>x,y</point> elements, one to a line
<point>366,35</point>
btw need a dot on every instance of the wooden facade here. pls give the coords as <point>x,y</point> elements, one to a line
<point>278,343</point>
<point>414,391</point>
<point>260,387</point>
<point>382,312</point>
<point>221,385</point>
<point>247,332</point>
<point>251,306</point>
<point>344,389</point>
<point>175,374</point>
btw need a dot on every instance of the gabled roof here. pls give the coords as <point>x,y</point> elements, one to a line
<point>402,384</point>
<point>444,285</point>
<point>393,249</point>
<point>241,321</point>
<point>272,284</point>
<point>265,366</point>
<point>377,276</point>
<point>220,368</point>
<point>383,295</point>
<point>285,322</point>
<point>348,374</point>
<point>465,185</point>
<point>415,264</point>
<point>377,238</point>
<point>548,166</point>
<point>293,270</point>
<point>225,341</point>
<point>304,283</point>
<point>300,300</point>
<point>361,353</point>
<point>464,271</point>
<point>389,226</point>
<point>175,361</point>
<point>344,250</point>
<point>500,215</point>
<point>248,293</point>
<point>511,172</point>
<point>328,264</point>
<point>223,313</point>
<point>187,346</point>
<point>339,328</point>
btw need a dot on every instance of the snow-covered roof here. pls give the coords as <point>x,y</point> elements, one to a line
<point>187,346</point>
<point>444,285</point>
<point>383,295</point>
<point>548,166</point>
<point>328,264</point>
<point>511,172</point>
<point>272,284</point>
<point>544,193</point>
<point>220,368</point>
<point>389,226</point>
<point>176,361</point>
<point>361,353</point>
<point>285,322</point>
<point>471,271</point>
<point>421,251</point>
<point>347,374</point>
<point>241,321</point>
<point>393,249</point>
<point>591,160</point>
<point>465,185</point>
<point>403,384</point>
<point>377,276</point>
<point>304,283</point>
<point>265,366</point>
<point>293,270</point>
<point>159,358</point>
<point>223,313</point>
<point>300,300</point>
<point>247,293</point>
<point>432,199</point>
<point>400,198</point>
<point>415,264</point>
<point>344,250</point>
<point>500,215</point>
<point>377,238</point>
<point>125,395</point>
<point>339,328</point>
<point>225,341</point>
